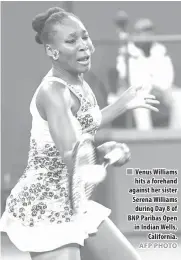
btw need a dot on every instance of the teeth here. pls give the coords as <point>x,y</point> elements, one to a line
<point>84,59</point>
<point>83,62</point>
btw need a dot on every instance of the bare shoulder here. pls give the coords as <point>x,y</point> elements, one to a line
<point>55,93</point>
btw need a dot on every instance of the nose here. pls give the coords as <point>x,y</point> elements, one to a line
<point>83,45</point>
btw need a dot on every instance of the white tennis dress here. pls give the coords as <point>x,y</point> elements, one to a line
<point>38,215</point>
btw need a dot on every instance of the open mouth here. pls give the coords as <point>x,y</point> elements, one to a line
<point>84,60</point>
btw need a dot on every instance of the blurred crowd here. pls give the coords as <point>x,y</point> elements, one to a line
<point>144,63</point>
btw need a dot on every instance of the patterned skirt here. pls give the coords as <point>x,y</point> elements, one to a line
<point>38,215</point>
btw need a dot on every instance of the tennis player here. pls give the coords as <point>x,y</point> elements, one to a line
<point>38,217</point>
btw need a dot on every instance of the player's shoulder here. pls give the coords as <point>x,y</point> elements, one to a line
<point>51,86</point>
<point>53,91</point>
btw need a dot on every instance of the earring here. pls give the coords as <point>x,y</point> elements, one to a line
<point>55,55</point>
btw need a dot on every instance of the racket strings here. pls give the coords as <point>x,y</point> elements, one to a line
<point>84,154</point>
<point>88,158</point>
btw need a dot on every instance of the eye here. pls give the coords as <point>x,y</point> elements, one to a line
<point>85,37</point>
<point>71,41</point>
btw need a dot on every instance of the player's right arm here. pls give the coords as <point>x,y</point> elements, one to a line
<point>54,101</point>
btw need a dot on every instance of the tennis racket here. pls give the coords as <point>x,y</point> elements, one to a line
<point>84,154</point>
<point>87,173</point>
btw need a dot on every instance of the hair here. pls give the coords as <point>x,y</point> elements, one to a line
<point>143,24</point>
<point>42,23</point>
<point>121,19</point>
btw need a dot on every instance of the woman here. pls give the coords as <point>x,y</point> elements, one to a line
<point>38,216</point>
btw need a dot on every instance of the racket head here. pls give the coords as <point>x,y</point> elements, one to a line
<point>84,153</point>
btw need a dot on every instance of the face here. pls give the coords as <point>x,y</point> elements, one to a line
<point>74,45</point>
<point>145,45</point>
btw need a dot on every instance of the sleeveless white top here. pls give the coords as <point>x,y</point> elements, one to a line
<point>38,215</point>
